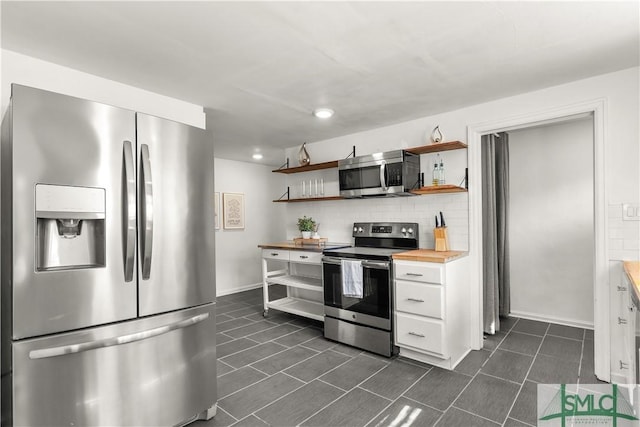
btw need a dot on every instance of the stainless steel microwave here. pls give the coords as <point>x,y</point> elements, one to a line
<point>393,173</point>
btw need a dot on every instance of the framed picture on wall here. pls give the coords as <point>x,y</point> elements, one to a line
<point>216,209</point>
<point>233,210</point>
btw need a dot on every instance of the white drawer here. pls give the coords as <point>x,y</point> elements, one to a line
<point>420,333</point>
<point>420,298</point>
<point>306,257</point>
<point>278,254</point>
<point>419,271</point>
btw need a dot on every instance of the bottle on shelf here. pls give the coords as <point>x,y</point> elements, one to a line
<point>435,175</point>
<point>441,177</point>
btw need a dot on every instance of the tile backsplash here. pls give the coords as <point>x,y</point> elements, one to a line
<point>624,235</point>
<point>336,218</point>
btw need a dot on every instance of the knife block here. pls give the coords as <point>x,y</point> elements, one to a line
<point>441,238</point>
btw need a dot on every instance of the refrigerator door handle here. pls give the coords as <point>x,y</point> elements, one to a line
<point>129,206</point>
<point>110,342</point>
<point>146,201</point>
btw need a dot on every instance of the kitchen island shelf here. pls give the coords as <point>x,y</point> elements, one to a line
<point>301,275</point>
<point>301,307</point>
<point>300,282</point>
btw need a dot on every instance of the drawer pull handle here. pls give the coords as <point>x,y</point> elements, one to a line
<point>623,365</point>
<point>415,334</point>
<point>622,289</point>
<point>303,257</point>
<point>622,321</point>
<point>415,274</point>
<point>415,299</point>
<point>274,254</point>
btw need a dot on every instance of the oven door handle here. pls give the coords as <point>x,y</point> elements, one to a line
<point>380,265</point>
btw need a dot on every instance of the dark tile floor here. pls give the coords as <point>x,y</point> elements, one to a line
<point>280,371</point>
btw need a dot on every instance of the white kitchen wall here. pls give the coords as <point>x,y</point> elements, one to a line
<point>624,235</point>
<point>238,258</point>
<point>336,218</point>
<point>551,222</point>
<point>28,71</point>
<point>618,89</point>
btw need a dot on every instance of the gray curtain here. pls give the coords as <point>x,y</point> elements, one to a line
<point>495,239</point>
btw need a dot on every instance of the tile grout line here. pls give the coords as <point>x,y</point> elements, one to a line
<point>525,378</point>
<point>393,401</point>
<point>305,383</point>
<point>351,357</point>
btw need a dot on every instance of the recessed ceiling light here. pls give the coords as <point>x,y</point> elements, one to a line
<point>257,156</point>
<point>323,113</point>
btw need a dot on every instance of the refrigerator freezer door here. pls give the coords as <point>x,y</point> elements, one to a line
<point>72,144</point>
<point>175,221</point>
<point>156,371</point>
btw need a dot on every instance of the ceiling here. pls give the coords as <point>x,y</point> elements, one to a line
<point>260,68</point>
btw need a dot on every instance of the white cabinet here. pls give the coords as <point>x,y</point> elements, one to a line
<point>431,311</point>
<point>623,328</point>
<point>301,273</point>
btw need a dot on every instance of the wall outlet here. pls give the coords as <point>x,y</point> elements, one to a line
<point>630,212</point>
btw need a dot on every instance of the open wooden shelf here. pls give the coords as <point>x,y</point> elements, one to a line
<point>436,189</point>
<point>435,148</point>
<point>309,199</point>
<point>307,168</point>
<point>423,149</point>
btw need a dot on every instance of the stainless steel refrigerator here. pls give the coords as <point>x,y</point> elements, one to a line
<point>108,286</point>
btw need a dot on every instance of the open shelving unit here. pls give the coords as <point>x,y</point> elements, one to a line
<point>423,149</point>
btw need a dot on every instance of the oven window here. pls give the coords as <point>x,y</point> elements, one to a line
<point>332,283</point>
<point>376,291</point>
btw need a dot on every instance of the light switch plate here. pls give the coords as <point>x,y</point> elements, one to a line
<point>630,212</point>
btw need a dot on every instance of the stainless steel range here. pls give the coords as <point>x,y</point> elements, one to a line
<point>358,285</point>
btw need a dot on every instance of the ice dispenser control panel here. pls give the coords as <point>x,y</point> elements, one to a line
<point>70,227</point>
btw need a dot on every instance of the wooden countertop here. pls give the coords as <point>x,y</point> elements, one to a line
<point>429,255</point>
<point>632,268</point>
<point>290,245</point>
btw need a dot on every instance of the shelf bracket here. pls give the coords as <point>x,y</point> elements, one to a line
<point>465,180</point>
<point>419,183</point>
<point>286,193</point>
<point>284,166</point>
<point>352,153</point>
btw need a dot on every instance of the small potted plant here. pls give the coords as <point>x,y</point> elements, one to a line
<point>306,226</point>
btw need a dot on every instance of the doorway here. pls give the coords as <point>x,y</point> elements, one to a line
<point>595,108</point>
<point>541,239</point>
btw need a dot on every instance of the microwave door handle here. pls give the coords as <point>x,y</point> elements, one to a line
<point>383,176</point>
<point>146,191</point>
<point>129,211</point>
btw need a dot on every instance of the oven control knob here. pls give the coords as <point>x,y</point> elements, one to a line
<point>355,229</point>
<point>410,231</point>
<point>404,230</point>
<point>360,229</point>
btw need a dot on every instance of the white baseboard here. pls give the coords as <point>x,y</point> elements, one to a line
<point>552,319</point>
<point>223,292</point>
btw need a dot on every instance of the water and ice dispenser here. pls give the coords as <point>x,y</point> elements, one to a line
<point>70,231</point>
